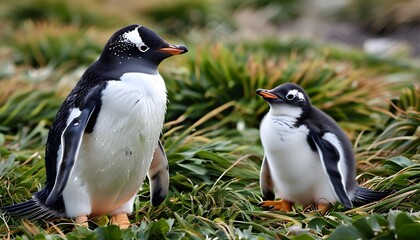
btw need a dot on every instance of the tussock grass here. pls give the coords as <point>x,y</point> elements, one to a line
<point>76,13</point>
<point>43,43</point>
<point>211,132</point>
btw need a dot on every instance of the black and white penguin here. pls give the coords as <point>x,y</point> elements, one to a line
<point>105,138</point>
<point>308,158</point>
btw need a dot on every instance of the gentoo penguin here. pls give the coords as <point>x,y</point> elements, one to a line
<point>308,158</point>
<point>105,138</point>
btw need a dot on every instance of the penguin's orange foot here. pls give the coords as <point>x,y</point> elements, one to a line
<point>82,220</point>
<point>121,220</point>
<point>323,208</point>
<point>280,205</point>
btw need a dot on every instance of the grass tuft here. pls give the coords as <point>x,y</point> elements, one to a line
<point>41,44</point>
<point>74,13</point>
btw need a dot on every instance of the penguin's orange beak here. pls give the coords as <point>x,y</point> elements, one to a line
<point>265,94</point>
<point>174,49</point>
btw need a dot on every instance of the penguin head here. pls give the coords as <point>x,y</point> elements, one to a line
<point>138,48</point>
<point>288,99</point>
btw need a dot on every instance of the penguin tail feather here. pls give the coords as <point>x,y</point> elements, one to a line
<point>33,209</point>
<point>364,196</point>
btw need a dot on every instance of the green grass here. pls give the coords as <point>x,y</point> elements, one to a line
<point>53,45</point>
<point>76,13</point>
<point>211,133</point>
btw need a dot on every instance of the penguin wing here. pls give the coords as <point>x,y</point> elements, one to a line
<point>266,182</point>
<point>158,175</point>
<point>328,147</point>
<point>71,139</point>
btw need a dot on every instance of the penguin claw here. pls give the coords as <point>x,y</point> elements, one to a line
<point>121,220</point>
<point>279,205</point>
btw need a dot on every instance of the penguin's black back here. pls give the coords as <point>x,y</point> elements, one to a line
<point>321,123</point>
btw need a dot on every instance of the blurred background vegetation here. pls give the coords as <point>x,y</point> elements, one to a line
<point>357,59</point>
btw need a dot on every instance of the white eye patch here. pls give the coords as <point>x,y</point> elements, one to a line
<point>134,37</point>
<point>295,93</point>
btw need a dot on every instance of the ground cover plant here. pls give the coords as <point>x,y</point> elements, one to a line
<point>211,132</point>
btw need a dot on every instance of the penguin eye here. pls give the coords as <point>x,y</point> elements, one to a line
<point>290,96</point>
<point>144,48</point>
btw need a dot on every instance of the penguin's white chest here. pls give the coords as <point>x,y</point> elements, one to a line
<point>296,170</point>
<point>113,160</point>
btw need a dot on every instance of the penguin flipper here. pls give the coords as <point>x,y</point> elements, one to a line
<point>70,142</point>
<point>158,175</point>
<point>327,147</point>
<point>266,182</point>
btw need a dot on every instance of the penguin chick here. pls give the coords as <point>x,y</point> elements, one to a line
<point>105,138</point>
<point>308,158</point>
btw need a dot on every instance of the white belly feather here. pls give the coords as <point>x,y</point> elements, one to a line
<point>296,170</point>
<point>113,160</point>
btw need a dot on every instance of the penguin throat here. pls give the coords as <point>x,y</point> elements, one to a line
<point>139,65</point>
<point>286,111</point>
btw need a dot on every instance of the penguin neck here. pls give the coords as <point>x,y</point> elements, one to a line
<point>286,112</point>
<point>123,65</point>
